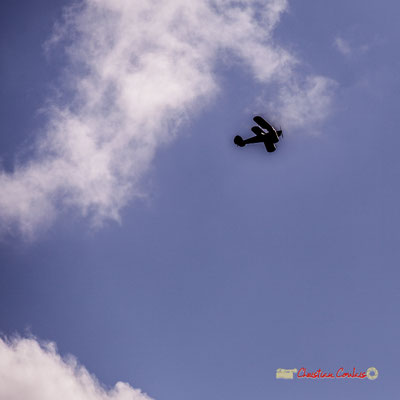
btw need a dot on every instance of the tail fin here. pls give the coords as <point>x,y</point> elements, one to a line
<point>238,140</point>
<point>279,132</point>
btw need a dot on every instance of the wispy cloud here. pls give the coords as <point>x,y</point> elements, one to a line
<point>35,371</point>
<point>304,103</point>
<point>342,45</point>
<point>136,69</point>
<point>350,47</point>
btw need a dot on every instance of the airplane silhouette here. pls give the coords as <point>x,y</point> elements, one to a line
<point>269,138</point>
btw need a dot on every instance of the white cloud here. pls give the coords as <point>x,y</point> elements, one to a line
<point>343,46</point>
<point>136,69</point>
<point>353,48</point>
<point>34,371</point>
<point>304,104</point>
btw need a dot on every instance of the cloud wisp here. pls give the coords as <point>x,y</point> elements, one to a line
<point>35,371</point>
<point>342,46</point>
<point>125,60</point>
<point>304,103</point>
<point>353,48</point>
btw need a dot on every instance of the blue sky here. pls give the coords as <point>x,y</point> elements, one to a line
<point>137,237</point>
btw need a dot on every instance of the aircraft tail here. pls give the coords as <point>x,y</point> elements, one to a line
<point>238,140</point>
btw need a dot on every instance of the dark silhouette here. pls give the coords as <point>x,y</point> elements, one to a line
<point>269,138</point>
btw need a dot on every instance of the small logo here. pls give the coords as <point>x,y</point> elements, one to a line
<point>372,373</point>
<point>285,373</point>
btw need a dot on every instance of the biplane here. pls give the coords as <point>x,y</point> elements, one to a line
<point>264,133</point>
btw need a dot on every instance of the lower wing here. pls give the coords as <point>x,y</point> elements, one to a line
<point>269,146</point>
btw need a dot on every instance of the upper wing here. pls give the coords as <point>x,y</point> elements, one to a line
<point>263,123</point>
